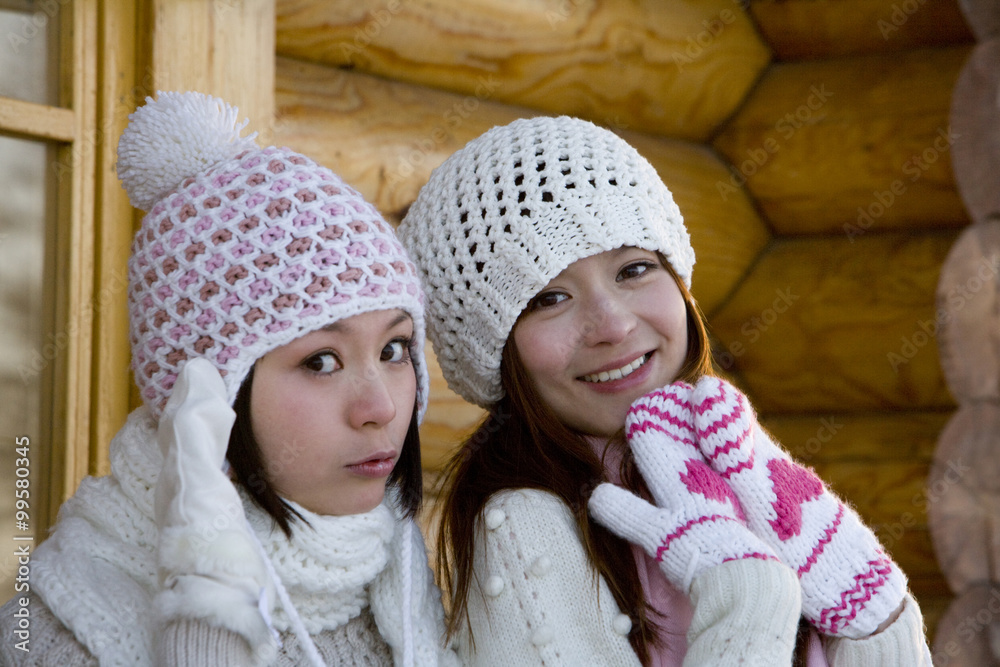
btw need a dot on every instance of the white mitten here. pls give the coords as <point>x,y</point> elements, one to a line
<point>210,567</point>
<point>697,520</point>
<point>849,585</point>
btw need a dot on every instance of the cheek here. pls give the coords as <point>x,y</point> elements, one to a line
<point>542,348</point>
<point>280,425</point>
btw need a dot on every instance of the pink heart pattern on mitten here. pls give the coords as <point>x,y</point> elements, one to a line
<point>793,485</point>
<point>849,585</point>
<point>698,477</point>
<point>697,521</point>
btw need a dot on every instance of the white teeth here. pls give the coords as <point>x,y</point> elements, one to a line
<point>616,374</point>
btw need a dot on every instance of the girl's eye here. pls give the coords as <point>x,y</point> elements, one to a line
<point>546,300</point>
<point>396,351</point>
<point>635,270</point>
<point>323,362</point>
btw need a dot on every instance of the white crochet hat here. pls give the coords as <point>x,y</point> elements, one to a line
<point>244,249</point>
<point>507,213</point>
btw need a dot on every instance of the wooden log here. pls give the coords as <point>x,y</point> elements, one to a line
<point>983,17</point>
<point>878,463</point>
<point>975,116</point>
<point>826,325</point>
<point>850,145</point>
<point>677,69</point>
<point>968,634</point>
<point>968,301</point>
<point>220,48</point>
<point>836,437</point>
<point>385,138</point>
<point>448,422</point>
<point>727,232</point>
<point>963,490</point>
<point>807,29</point>
<point>889,495</point>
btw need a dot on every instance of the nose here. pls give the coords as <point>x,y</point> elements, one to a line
<point>607,319</point>
<point>371,403</point>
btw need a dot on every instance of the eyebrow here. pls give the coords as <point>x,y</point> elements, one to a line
<point>341,326</point>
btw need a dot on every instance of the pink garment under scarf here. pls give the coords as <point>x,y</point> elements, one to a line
<point>673,606</point>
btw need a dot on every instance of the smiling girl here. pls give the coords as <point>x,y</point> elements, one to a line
<point>619,505</point>
<point>260,505</point>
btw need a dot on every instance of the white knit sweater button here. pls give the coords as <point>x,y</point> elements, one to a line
<point>494,586</point>
<point>541,566</point>
<point>542,635</point>
<point>622,624</point>
<point>494,518</point>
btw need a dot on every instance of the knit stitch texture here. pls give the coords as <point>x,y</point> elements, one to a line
<point>97,571</point>
<point>697,522</point>
<point>849,584</point>
<point>507,213</point>
<point>247,254</point>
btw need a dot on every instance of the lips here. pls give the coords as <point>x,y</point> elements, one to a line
<point>618,373</point>
<point>377,465</point>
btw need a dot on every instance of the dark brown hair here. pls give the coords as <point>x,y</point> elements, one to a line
<point>522,444</point>
<point>247,464</point>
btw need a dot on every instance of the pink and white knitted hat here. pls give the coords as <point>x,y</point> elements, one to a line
<point>507,213</point>
<point>244,249</point>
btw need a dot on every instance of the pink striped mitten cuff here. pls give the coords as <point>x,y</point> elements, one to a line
<point>849,584</point>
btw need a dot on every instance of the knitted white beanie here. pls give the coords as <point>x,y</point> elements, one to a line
<point>245,249</point>
<point>510,211</point>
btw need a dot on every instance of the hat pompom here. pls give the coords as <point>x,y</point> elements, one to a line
<point>173,137</point>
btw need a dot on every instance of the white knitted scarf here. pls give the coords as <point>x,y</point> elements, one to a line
<point>328,564</point>
<point>97,571</point>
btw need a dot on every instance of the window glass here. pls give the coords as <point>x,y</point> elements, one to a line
<point>26,212</point>
<point>28,50</point>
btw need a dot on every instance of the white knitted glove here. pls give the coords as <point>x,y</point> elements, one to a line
<point>209,563</point>
<point>697,521</point>
<point>849,585</point>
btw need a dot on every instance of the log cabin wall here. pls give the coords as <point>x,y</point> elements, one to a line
<point>807,143</point>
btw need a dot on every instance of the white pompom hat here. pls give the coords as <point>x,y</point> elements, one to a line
<point>509,212</point>
<point>245,249</point>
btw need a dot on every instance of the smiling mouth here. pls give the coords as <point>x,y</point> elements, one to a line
<point>618,373</point>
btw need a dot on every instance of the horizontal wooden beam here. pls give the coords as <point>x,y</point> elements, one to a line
<point>807,29</point>
<point>836,437</point>
<point>863,144</point>
<point>36,121</point>
<point>385,137</point>
<point>827,324</point>
<point>678,69</point>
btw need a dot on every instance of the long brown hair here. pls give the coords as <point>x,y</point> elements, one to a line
<point>521,444</point>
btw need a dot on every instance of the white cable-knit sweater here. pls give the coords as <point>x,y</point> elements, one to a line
<point>96,573</point>
<point>539,602</point>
